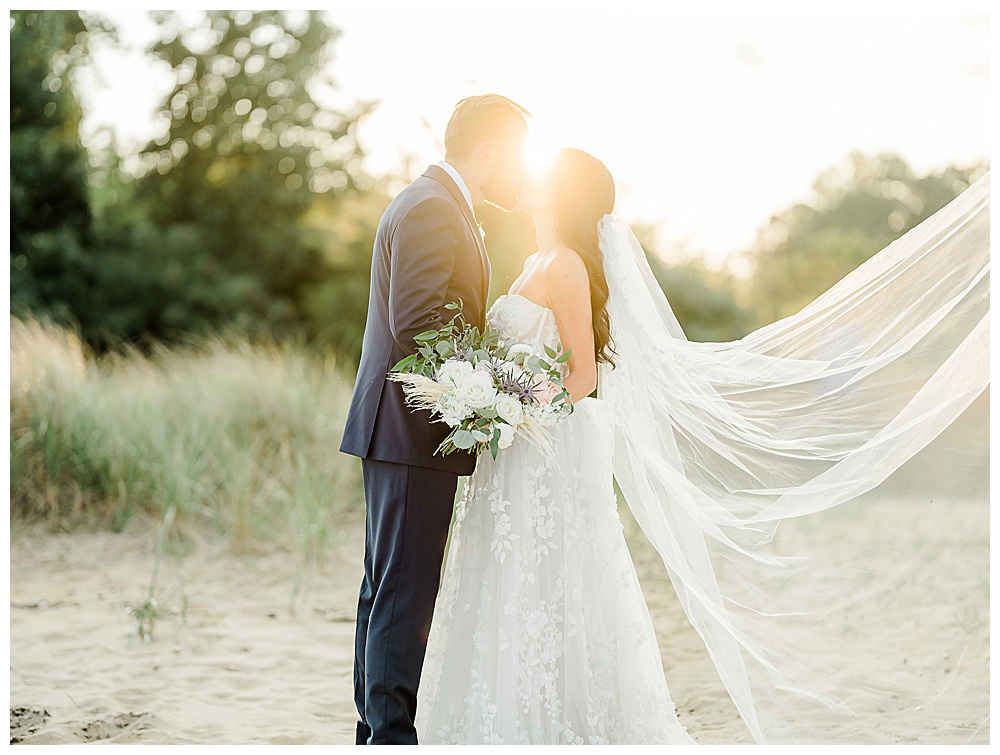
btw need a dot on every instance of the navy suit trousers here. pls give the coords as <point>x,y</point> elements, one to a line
<point>408,514</point>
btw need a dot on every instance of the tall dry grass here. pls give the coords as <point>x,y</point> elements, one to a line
<point>218,433</point>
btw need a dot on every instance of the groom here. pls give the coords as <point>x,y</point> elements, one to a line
<point>428,252</point>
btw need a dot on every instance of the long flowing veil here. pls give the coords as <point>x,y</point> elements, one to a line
<point>812,488</point>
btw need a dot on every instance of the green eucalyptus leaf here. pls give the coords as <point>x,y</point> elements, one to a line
<point>463,439</point>
<point>405,363</point>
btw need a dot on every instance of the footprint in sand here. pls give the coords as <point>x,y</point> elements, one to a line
<point>25,721</point>
<point>119,726</point>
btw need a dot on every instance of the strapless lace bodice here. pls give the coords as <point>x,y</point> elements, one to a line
<point>521,320</point>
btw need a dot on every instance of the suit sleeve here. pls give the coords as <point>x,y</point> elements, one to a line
<point>424,247</point>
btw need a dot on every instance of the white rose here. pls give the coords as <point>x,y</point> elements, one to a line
<point>518,353</point>
<point>510,409</point>
<point>482,365</point>
<point>452,372</point>
<point>452,410</point>
<point>476,390</point>
<point>506,435</point>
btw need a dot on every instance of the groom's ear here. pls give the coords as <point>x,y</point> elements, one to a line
<point>486,152</point>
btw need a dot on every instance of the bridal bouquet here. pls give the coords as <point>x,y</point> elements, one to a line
<point>487,390</point>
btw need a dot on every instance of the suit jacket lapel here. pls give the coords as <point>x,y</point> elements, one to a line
<point>439,174</point>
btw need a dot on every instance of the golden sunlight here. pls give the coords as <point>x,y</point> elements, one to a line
<point>543,145</point>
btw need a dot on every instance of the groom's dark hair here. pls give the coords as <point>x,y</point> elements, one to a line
<point>478,119</point>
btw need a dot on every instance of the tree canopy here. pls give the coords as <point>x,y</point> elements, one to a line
<point>211,229</point>
<point>246,154</point>
<point>859,208</point>
<point>50,220</point>
<point>251,210</point>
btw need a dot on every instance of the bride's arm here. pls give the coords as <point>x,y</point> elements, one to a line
<point>567,288</point>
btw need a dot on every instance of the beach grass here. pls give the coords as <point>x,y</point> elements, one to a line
<point>240,438</point>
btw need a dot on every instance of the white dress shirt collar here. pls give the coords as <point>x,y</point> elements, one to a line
<point>450,170</point>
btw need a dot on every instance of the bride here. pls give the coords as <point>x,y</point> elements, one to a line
<point>541,634</point>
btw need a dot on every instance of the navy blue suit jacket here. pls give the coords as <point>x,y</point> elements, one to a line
<point>428,252</point>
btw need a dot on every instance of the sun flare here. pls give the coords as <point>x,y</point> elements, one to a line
<point>541,150</point>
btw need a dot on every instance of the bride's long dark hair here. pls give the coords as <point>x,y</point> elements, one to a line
<point>585,192</point>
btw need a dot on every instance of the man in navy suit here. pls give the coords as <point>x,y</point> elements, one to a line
<point>428,252</point>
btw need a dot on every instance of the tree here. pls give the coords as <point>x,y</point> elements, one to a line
<point>704,301</point>
<point>50,222</point>
<point>859,208</point>
<point>337,307</point>
<point>244,155</point>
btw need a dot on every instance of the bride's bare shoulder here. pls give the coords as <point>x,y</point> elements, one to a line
<point>566,277</point>
<point>565,265</point>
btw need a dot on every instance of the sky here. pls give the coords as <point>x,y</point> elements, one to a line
<point>711,116</point>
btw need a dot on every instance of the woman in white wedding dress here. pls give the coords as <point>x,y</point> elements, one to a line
<point>541,634</point>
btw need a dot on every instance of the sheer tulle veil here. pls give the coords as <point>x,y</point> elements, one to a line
<point>810,486</point>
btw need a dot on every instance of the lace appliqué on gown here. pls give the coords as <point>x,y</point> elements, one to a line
<point>541,634</point>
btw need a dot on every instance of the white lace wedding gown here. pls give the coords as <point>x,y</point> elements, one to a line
<point>541,634</point>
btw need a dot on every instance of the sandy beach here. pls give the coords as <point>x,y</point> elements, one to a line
<point>259,651</point>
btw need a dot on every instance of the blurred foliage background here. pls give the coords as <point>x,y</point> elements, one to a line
<point>250,220</point>
<point>250,212</point>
